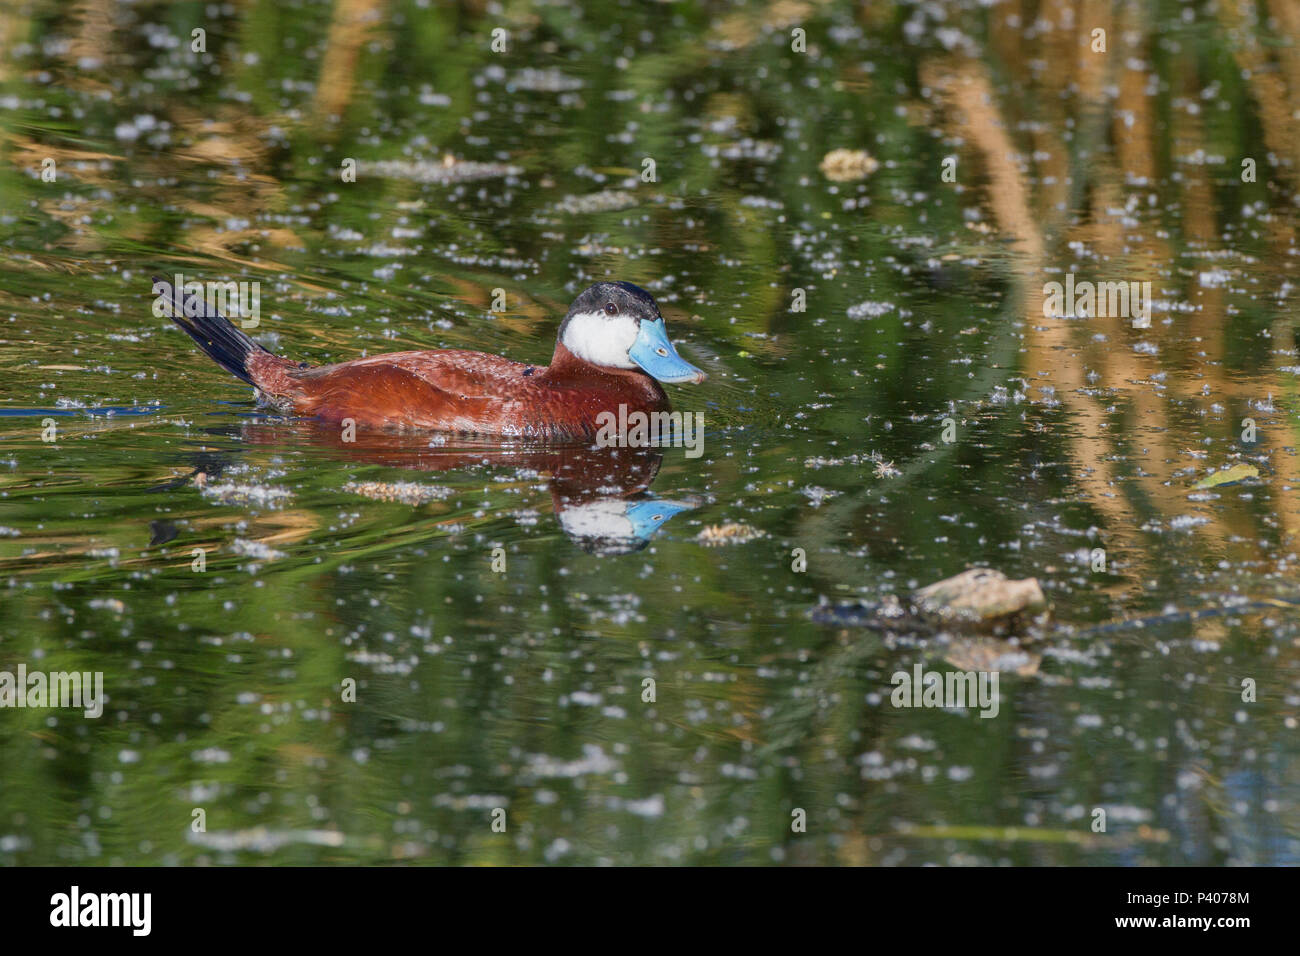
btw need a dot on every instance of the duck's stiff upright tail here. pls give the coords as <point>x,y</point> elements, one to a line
<point>224,342</point>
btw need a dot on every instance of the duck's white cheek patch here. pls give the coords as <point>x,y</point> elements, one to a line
<point>601,339</point>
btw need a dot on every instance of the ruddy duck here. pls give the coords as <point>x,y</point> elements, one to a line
<point>612,347</point>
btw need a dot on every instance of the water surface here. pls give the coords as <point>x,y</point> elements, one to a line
<point>919,416</point>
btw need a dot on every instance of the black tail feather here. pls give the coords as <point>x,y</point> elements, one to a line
<point>224,342</point>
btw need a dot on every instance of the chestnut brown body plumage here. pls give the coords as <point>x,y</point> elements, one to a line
<point>610,345</point>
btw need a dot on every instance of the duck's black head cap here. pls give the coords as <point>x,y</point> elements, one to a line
<point>614,299</point>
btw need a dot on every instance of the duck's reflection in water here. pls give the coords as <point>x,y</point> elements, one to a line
<point>600,496</point>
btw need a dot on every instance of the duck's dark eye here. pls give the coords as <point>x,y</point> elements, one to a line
<point>611,308</point>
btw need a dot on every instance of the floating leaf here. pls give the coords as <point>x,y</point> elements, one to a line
<point>1228,476</point>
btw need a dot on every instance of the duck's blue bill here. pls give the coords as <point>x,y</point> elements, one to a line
<point>646,516</point>
<point>654,353</point>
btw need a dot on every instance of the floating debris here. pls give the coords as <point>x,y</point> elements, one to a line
<point>650,807</point>
<point>609,200</point>
<point>236,494</point>
<point>817,494</point>
<point>1229,476</point>
<point>262,840</point>
<point>543,81</point>
<point>821,461</point>
<point>716,535</point>
<point>979,599</point>
<point>594,760</point>
<point>445,173</point>
<point>848,165</point>
<point>405,492</point>
<point>758,150</point>
<point>530,78</point>
<point>980,594</point>
<point>869,310</point>
<point>256,549</point>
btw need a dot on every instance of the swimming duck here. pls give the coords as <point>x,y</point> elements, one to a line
<point>612,349</point>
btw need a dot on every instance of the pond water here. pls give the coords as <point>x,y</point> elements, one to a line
<point>397,642</point>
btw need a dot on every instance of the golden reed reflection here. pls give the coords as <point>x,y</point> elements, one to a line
<point>1061,177</point>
